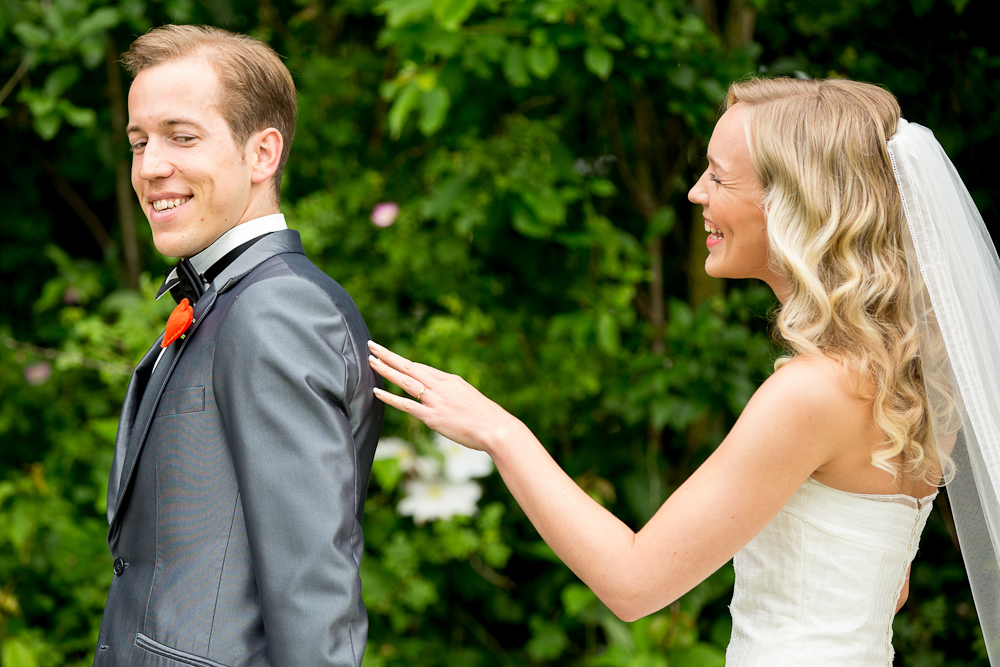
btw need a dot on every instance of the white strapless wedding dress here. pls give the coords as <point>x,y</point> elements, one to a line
<point>818,586</point>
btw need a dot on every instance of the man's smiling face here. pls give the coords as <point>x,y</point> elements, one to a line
<point>193,181</point>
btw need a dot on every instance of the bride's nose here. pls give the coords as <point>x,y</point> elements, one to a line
<point>697,194</point>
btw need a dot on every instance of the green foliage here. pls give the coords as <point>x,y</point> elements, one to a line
<point>540,154</point>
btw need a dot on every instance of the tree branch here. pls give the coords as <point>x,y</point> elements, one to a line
<point>14,79</point>
<point>123,184</point>
<point>79,206</point>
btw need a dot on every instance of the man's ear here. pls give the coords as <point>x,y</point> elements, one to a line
<point>264,154</point>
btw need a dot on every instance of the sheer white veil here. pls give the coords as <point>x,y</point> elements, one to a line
<point>955,273</point>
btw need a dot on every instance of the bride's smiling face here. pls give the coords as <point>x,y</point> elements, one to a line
<point>731,198</point>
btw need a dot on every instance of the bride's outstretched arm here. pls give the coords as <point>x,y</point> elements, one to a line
<point>778,441</point>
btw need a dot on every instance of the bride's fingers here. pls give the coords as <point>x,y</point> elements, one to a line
<point>404,404</point>
<point>422,372</point>
<point>436,374</point>
<point>407,383</point>
<point>398,362</point>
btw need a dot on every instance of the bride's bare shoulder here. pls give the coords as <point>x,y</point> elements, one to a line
<point>817,377</point>
<point>815,393</point>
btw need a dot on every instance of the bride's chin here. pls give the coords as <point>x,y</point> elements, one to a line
<point>713,270</point>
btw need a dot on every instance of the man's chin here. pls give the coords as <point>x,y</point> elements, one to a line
<point>171,247</point>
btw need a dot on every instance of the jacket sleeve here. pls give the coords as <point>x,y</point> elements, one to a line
<point>286,372</point>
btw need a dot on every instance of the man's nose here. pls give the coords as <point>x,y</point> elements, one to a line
<point>154,162</point>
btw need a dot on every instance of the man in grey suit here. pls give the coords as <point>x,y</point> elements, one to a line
<point>247,434</point>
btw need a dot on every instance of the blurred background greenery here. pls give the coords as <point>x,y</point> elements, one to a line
<point>539,153</point>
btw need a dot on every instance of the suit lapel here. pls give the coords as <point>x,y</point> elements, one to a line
<point>133,396</point>
<point>136,437</point>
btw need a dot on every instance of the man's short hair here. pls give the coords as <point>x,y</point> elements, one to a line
<point>257,88</point>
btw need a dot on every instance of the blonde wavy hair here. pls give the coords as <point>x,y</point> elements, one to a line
<point>835,230</point>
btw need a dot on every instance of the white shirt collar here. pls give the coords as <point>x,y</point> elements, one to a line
<point>234,238</point>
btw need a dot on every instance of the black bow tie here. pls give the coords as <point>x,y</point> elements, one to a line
<point>188,284</point>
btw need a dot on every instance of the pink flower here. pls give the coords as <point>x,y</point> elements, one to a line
<point>385,213</point>
<point>38,373</point>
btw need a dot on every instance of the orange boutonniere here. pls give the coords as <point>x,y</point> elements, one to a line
<point>178,322</point>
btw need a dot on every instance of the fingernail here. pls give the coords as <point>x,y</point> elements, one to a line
<point>377,391</point>
<point>372,345</point>
<point>372,359</point>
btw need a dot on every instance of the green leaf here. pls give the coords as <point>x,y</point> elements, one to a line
<point>31,35</point>
<point>60,79</point>
<point>47,126</point>
<point>713,90</point>
<point>546,204</point>
<point>402,12</point>
<point>515,66</point>
<point>699,655</point>
<point>548,640</point>
<point>387,89</point>
<point>404,104</point>
<point>92,51</point>
<point>77,116</point>
<point>662,222</point>
<point>526,224</point>
<point>103,19</point>
<point>635,12</point>
<point>613,42</point>
<point>576,598</point>
<point>387,474</point>
<point>434,110</point>
<point>599,61</point>
<point>682,76</point>
<point>608,333</point>
<point>451,14</point>
<point>17,654</point>
<point>602,187</point>
<point>543,60</point>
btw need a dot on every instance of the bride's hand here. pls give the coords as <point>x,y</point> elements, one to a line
<point>445,402</point>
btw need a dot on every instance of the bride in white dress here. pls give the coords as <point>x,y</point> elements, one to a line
<point>823,486</point>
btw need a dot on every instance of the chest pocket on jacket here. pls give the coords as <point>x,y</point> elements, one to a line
<point>181,401</point>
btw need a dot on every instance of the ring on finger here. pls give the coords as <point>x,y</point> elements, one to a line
<point>421,392</point>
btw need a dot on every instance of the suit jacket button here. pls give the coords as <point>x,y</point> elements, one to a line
<point>119,567</point>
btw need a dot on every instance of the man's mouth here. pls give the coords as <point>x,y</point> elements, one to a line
<point>164,204</point>
<point>713,231</point>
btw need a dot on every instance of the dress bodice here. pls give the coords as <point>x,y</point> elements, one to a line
<point>819,585</point>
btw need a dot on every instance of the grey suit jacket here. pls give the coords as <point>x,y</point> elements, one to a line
<point>238,487</point>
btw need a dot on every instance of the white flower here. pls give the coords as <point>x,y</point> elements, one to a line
<point>426,500</point>
<point>409,461</point>
<point>393,448</point>
<point>461,463</point>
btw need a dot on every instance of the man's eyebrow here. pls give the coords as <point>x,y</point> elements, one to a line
<point>170,122</point>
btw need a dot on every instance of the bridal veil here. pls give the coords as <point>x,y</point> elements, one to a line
<point>955,273</point>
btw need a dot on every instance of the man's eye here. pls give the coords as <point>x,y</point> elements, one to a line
<point>184,138</point>
<point>714,178</point>
<point>137,146</point>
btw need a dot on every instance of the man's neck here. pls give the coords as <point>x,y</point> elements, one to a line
<point>236,236</point>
